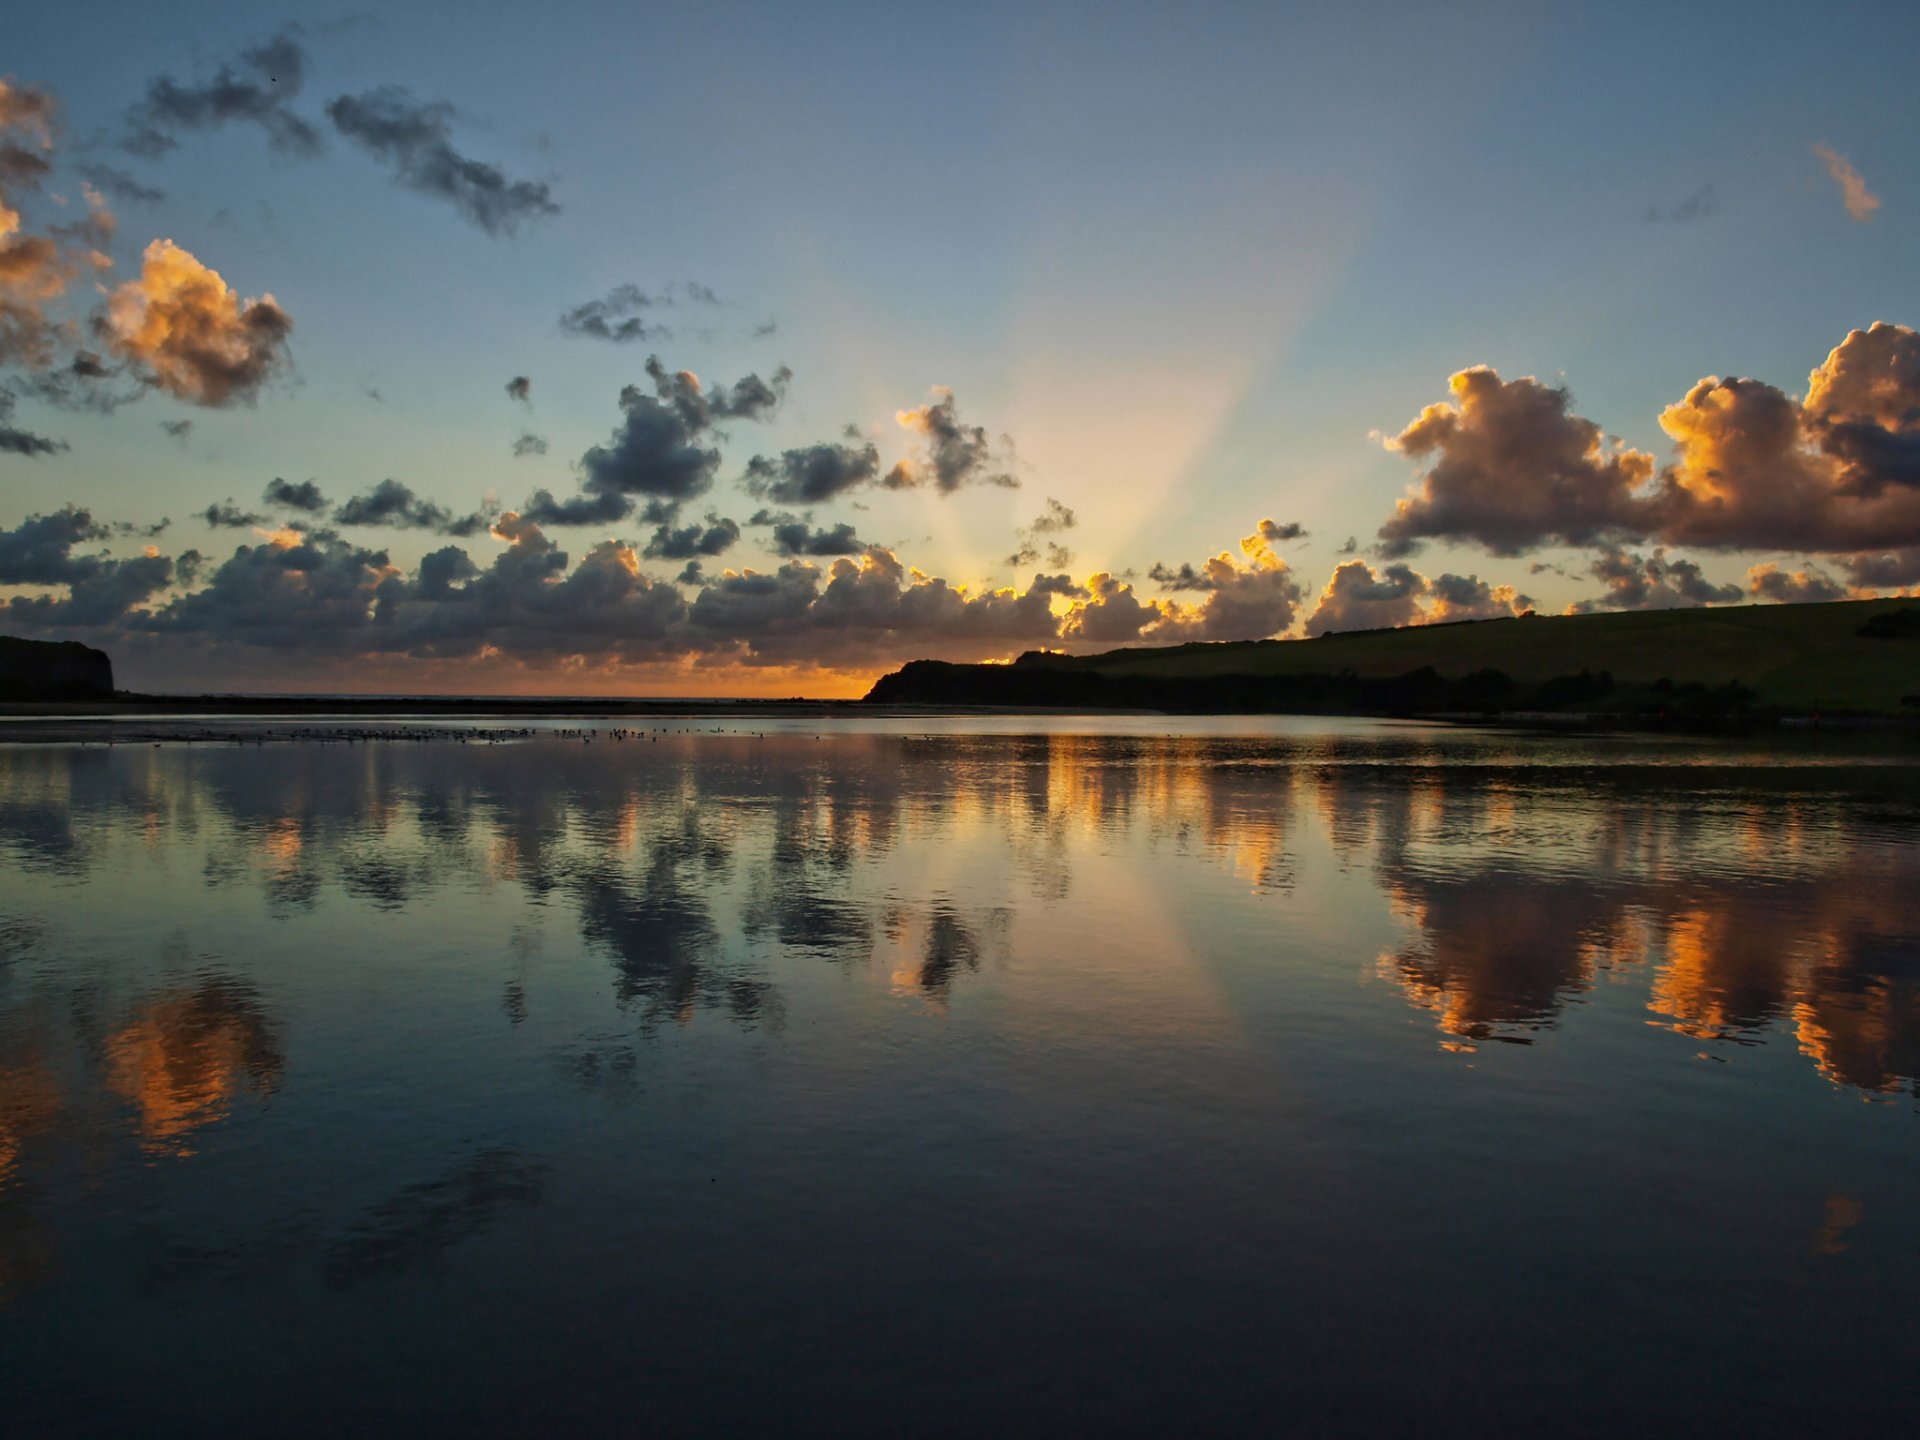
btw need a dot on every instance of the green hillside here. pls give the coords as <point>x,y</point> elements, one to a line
<point>1790,658</point>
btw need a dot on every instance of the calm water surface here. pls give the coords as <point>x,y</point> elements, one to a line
<point>1315,1076</point>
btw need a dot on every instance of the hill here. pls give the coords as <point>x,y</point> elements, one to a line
<point>50,670</point>
<point>1856,657</point>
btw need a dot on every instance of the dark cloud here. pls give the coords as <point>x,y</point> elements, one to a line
<point>1061,585</point>
<point>655,454</point>
<point>1697,206</point>
<point>601,509</point>
<point>813,473</point>
<point>1651,582</point>
<point>1884,569</point>
<point>621,315</point>
<point>957,454</point>
<point>1352,547</point>
<point>15,441</point>
<point>100,589</point>
<point>716,537</point>
<point>394,505</point>
<point>225,515</point>
<point>414,138</point>
<point>520,388</point>
<point>797,537</point>
<point>1035,542</point>
<point>255,89</point>
<point>529,444</point>
<point>122,186</point>
<point>1770,582</point>
<point>177,429</point>
<point>1468,597</point>
<point>302,495</point>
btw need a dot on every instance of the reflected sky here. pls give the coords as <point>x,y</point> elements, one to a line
<point>1084,1030</point>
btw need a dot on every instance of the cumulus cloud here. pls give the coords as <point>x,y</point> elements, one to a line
<point>1651,582</point>
<point>655,454</point>
<point>1839,472</point>
<point>1770,582</point>
<point>1512,467</point>
<point>1753,468</point>
<point>529,444</point>
<point>689,542</point>
<point>394,505</point>
<point>1468,597</point>
<point>415,140</point>
<point>1356,598</point>
<point>190,334</point>
<point>1036,542</point>
<point>813,473</point>
<point>1861,202</point>
<point>301,495</point>
<point>956,453</point>
<point>255,89</point>
<point>520,388</point>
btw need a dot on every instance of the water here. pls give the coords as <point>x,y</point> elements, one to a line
<point>960,1077</point>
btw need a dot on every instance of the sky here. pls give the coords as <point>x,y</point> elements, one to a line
<point>757,349</point>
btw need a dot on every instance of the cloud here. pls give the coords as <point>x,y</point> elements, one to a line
<point>394,505</point>
<point>957,454</point>
<point>1358,599</point>
<point>1513,467</point>
<point>1861,202</point>
<point>225,515</point>
<point>1697,206</point>
<point>716,537</point>
<point>1035,542</point>
<point>36,269</point>
<point>1770,582</point>
<point>15,441</point>
<point>796,537</point>
<point>1468,597</point>
<point>620,315</point>
<point>255,89</point>
<point>813,473</point>
<point>1111,614</point>
<point>190,334</point>
<point>177,429</point>
<point>100,589</point>
<point>414,138</point>
<point>1651,582</point>
<point>655,453</point>
<point>1753,467</point>
<point>520,388</point>
<point>302,495</point>
<point>122,186</point>
<point>529,444</point>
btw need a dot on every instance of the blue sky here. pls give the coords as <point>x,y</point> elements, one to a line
<point>1193,264</point>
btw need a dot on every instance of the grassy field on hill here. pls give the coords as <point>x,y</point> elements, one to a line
<point>1795,659</point>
